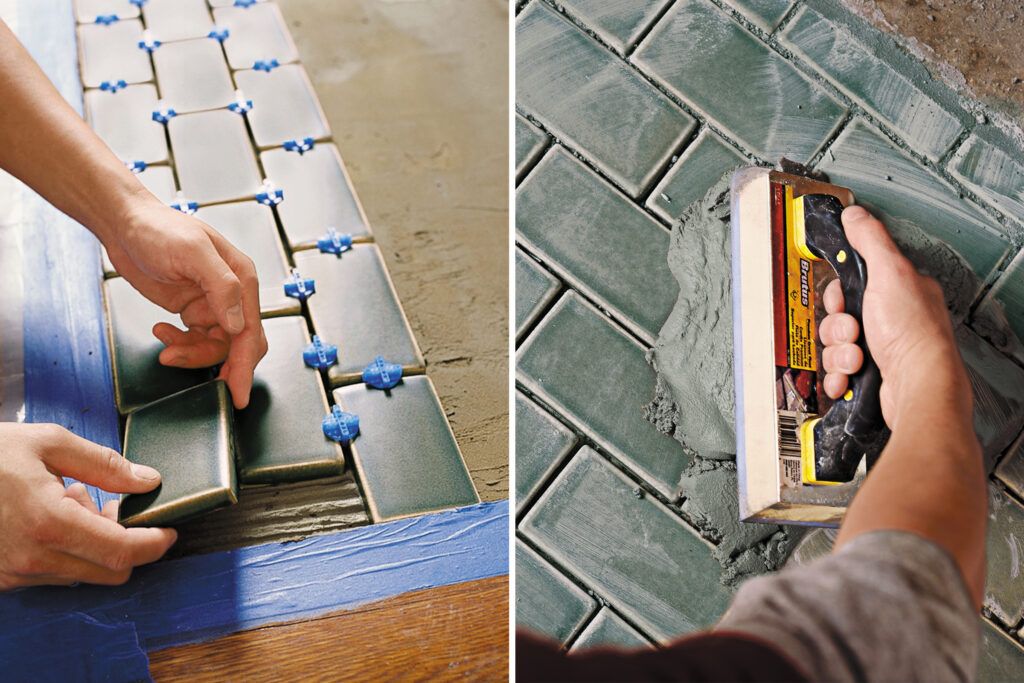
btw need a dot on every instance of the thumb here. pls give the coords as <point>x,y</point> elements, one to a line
<point>871,239</point>
<point>72,456</point>
<point>222,288</point>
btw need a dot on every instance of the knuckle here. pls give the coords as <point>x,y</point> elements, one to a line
<point>50,432</point>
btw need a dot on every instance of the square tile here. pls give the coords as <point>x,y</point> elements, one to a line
<point>701,164</point>
<point>193,75</point>
<point>86,11</point>
<point>608,629</point>
<point>177,19</point>
<point>111,53</point>
<point>535,289</point>
<point>583,367</point>
<point>139,378</point>
<point>124,120</point>
<point>189,439</point>
<point>542,444</point>
<point>547,603</point>
<point>258,32</point>
<point>285,106</point>
<point>279,434</point>
<point>317,194</point>
<point>356,307</point>
<point>530,142</point>
<point>214,157</point>
<point>406,454</point>
<point>1004,591</point>
<point>620,24</point>
<point>251,228</point>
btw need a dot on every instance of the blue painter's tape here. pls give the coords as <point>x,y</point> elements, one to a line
<point>201,597</point>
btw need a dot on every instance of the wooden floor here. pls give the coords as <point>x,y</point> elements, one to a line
<point>455,632</point>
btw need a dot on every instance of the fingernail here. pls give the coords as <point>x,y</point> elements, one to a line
<point>855,212</point>
<point>236,321</point>
<point>144,471</point>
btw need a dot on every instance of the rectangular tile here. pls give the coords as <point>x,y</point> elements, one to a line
<point>588,233</point>
<point>1011,468</point>
<point>530,141</point>
<point>251,228</point>
<point>86,11</point>
<point>214,157</point>
<point>257,33</point>
<point>593,101</point>
<point>711,62</point>
<point>111,53</point>
<point>317,194</point>
<point>189,439</point>
<point>578,363</point>
<point>608,629</point>
<point>279,434</point>
<point>620,23</point>
<point>177,19</point>
<point>993,172</point>
<point>547,603</point>
<point>899,190</point>
<point>766,14</point>
<point>635,552</point>
<point>701,164</point>
<point>285,106</point>
<point>193,75</point>
<point>356,307</point>
<point>872,82</point>
<point>405,452</point>
<point>1001,658</point>
<point>535,288</point>
<point>542,443</point>
<point>139,378</point>
<point>124,120</point>
<point>1004,591</point>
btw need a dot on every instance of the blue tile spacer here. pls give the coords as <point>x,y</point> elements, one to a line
<point>186,206</point>
<point>136,166</point>
<point>138,3</point>
<point>381,374</point>
<point>245,4</point>
<point>301,147</point>
<point>107,19</point>
<point>219,34</point>
<point>320,355</point>
<point>241,105</point>
<point>270,195</point>
<point>148,42</point>
<point>113,86</point>
<point>334,242</point>
<point>163,113</point>
<point>298,287</point>
<point>267,65</point>
<point>340,426</point>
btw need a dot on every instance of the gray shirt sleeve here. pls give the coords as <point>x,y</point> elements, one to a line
<point>889,606</point>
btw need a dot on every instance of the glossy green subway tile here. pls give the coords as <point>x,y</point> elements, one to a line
<point>535,288</point>
<point>547,602</point>
<point>542,443</point>
<point>257,33</point>
<point>124,120</point>
<point>214,157</point>
<point>766,14</point>
<point>193,75</point>
<point>701,164</point>
<point>530,141</point>
<point>608,629</point>
<point>110,52</point>
<point>285,106</point>
<point>177,19</point>
<point>620,23</point>
<point>995,174</point>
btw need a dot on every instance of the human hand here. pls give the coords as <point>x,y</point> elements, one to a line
<point>185,266</point>
<point>906,325</point>
<point>53,535</point>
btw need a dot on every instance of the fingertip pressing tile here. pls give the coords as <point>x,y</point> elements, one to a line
<point>171,20</point>
<point>193,75</point>
<point>279,434</point>
<point>355,307</point>
<point>547,602</point>
<point>86,11</point>
<point>214,157</point>
<point>257,32</point>
<point>317,194</point>
<point>285,106</point>
<point>542,444</point>
<point>124,120</point>
<point>251,228</point>
<point>110,52</point>
<point>407,458</point>
<point>535,289</point>
<point>188,438</point>
<point>609,629</point>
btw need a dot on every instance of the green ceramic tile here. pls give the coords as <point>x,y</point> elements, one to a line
<point>719,68</point>
<point>593,101</point>
<point>177,19</point>
<point>994,173</point>
<point>609,630</point>
<point>586,369</point>
<point>1008,293</point>
<point>251,228</point>
<point>595,238</point>
<point>124,120</point>
<point>285,106</point>
<point>1001,658</point>
<point>872,82</point>
<point>406,454</point>
<point>546,602</point>
<point>317,194</point>
<point>1004,591</point>
<point>214,157</point>
<point>189,439</point>
<point>258,33</point>
<point>899,190</point>
<point>620,23</point>
<point>703,162</point>
<point>356,307</point>
<point>1011,468</point>
<point>542,443</point>
<point>635,552</point>
<point>530,141</point>
<point>86,11</point>
<point>139,378</point>
<point>193,75</point>
<point>279,434</point>
<point>535,288</point>
<point>111,53</point>
<point>764,13</point>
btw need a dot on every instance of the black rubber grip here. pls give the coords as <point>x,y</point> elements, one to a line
<point>854,428</point>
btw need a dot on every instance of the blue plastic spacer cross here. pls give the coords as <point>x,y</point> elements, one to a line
<point>245,4</point>
<point>136,166</point>
<point>301,147</point>
<point>270,195</point>
<point>267,65</point>
<point>334,242</point>
<point>219,34</point>
<point>113,86</point>
<point>148,42</point>
<point>138,3</point>
<point>186,206</point>
<point>340,426</point>
<point>320,355</point>
<point>107,19</point>
<point>298,287</point>
<point>240,105</point>
<point>163,113</point>
<point>381,374</point>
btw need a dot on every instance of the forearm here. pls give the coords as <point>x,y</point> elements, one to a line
<point>45,144</point>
